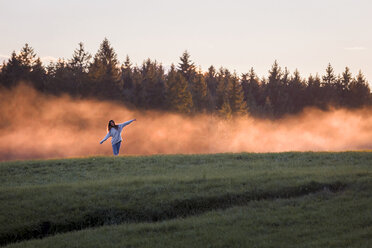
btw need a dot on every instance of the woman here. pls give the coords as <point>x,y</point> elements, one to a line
<point>114,131</point>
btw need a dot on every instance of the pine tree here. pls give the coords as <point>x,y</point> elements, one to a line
<point>274,83</point>
<point>236,97</point>
<point>223,87</point>
<point>211,81</point>
<point>138,91</point>
<point>105,72</point>
<point>27,57</point>
<point>80,60</point>
<point>286,77</point>
<point>199,92</point>
<point>360,93</point>
<point>329,94</point>
<point>26,67</point>
<point>330,78</point>
<point>225,110</point>
<point>178,97</point>
<point>313,82</point>
<point>60,78</point>
<point>296,90</point>
<point>342,87</point>
<point>252,92</point>
<point>127,80</point>
<point>312,91</point>
<point>126,73</point>
<point>346,79</point>
<point>275,90</point>
<point>11,71</point>
<point>187,67</point>
<point>275,74</point>
<point>79,66</point>
<point>38,75</point>
<point>153,84</point>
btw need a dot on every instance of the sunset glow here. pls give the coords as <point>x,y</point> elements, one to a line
<point>306,35</point>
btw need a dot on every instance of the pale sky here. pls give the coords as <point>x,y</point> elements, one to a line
<point>236,34</point>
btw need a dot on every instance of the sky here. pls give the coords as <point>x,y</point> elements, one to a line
<point>236,34</point>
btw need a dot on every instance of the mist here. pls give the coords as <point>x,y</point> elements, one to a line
<point>34,125</point>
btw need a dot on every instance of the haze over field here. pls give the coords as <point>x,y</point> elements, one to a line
<point>34,125</point>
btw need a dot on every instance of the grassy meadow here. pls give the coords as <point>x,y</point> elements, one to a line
<point>220,200</point>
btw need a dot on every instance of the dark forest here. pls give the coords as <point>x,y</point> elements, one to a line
<point>184,88</point>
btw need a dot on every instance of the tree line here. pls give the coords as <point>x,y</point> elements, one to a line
<point>183,87</point>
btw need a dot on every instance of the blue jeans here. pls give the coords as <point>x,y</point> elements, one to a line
<point>116,148</point>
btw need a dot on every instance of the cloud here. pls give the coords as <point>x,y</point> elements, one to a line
<point>355,48</point>
<point>47,59</point>
<point>3,58</point>
<point>74,120</point>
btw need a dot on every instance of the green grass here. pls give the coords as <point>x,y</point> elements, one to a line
<point>223,200</point>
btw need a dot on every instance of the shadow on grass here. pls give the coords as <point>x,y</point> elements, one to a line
<point>182,208</point>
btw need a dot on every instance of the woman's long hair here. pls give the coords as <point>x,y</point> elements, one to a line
<point>109,126</point>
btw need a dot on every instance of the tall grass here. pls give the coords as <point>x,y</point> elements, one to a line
<point>41,198</point>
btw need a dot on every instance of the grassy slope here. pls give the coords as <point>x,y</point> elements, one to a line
<point>67,193</point>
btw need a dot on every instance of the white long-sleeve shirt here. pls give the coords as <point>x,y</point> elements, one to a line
<point>116,133</point>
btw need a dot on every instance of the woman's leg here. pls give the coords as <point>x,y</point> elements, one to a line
<point>118,147</point>
<point>115,148</point>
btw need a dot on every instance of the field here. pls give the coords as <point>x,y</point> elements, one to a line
<point>220,200</point>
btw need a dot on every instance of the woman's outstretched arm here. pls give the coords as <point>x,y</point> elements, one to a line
<point>126,123</point>
<point>105,138</point>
